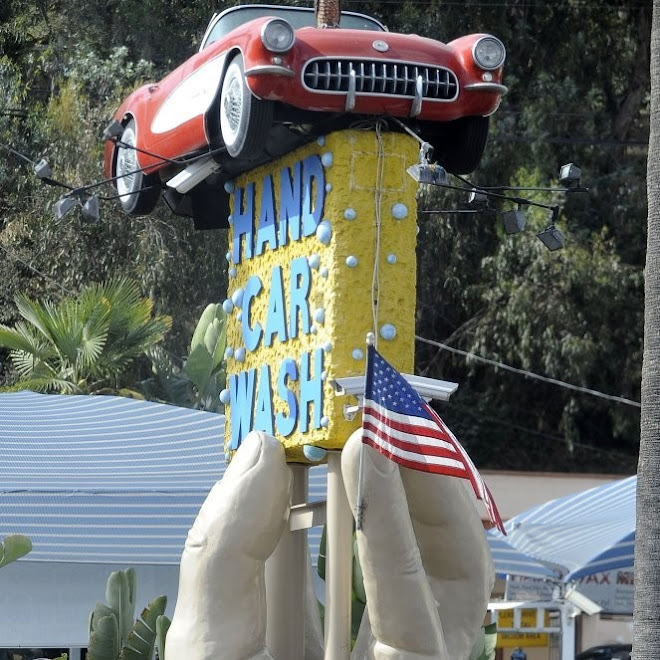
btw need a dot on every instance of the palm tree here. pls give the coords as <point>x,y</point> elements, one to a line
<point>82,345</point>
<point>646,635</point>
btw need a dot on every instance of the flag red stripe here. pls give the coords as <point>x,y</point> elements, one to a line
<point>411,445</point>
<point>408,426</point>
<point>474,476</point>
<point>422,466</point>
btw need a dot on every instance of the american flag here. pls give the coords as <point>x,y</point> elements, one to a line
<point>399,424</point>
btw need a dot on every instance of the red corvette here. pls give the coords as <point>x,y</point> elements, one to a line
<point>266,80</point>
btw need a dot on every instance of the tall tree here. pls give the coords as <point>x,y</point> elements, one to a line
<point>646,636</point>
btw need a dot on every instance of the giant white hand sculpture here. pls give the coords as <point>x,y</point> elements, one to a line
<point>422,548</point>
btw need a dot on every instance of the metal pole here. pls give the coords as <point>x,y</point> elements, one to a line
<point>339,556</point>
<point>286,572</point>
<point>567,632</point>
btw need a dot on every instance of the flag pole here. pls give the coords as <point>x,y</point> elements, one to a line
<point>359,508</point>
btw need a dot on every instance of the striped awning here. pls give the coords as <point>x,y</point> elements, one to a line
<point>589,532</point>
<point>509,561</point>
<point>104,479</point>
<point>109,480</point>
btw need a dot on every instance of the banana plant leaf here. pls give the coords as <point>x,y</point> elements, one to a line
<point>14,547</point>
<point>484,648</point>
<point>162,626</point>
<point>205,363</point>
<point>142,638</point>
<point>103,641</point>
<point>120,596</point>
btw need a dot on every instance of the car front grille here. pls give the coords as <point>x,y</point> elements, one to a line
<point>380,77</point>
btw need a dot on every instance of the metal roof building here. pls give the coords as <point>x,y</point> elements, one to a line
<point>98,483</point>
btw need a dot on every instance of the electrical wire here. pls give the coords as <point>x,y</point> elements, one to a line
<point>529,374</point>
<point>516,427</point>
<point>35,270</point>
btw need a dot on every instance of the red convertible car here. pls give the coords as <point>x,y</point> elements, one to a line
<point>266,80</point>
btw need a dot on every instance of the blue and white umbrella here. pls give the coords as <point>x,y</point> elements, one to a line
<point>589,532</point>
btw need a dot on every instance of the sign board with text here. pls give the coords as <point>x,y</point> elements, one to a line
<point>306,233</point>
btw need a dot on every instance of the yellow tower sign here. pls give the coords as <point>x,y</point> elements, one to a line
<point>321,252</point>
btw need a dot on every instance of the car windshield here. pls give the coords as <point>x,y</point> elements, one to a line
<point>297,16</point>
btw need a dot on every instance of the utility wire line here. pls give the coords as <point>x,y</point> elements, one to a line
<point>469,410</point>
<point>35,270</point>
<point>529,374</point>
<point>451,349</point>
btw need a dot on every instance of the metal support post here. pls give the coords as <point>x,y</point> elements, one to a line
<point>339,554</point>
<point>286,571</point>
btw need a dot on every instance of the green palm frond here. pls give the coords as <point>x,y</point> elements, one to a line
<point>22,337</point>
<point>36,313</point>
<point>85,342</point>
<point>31,365</point>
<point>44,384</point>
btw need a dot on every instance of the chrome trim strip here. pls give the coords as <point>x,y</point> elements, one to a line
<point>416,106</point>
<point>487,87</point>
<point>272,69</point>
<point>350,96</point>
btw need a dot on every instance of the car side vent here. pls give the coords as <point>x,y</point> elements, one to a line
<point>332,75</point>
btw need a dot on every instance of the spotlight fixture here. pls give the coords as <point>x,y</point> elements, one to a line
<point>42,169</point>
<point>433,174</point>
<point>426,172</point>
<point>514,220</point>
<point>113,130</point>
<point>63,206</point>
<point>478,198</point>
<point>569,175</point>
<point>584,604</point>
<point>90,209</point>
<point>552,238</point>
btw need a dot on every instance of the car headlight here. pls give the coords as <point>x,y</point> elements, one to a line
<point>489,53</point>
<point>277,35</point>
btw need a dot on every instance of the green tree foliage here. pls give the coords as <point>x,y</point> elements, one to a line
<point>84,344</point>
<point>579,82</point>
<point>578,79</point>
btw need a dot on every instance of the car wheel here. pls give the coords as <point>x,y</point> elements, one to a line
<point>138,192</point>
<point>460,145</point>
<point>244,119</point>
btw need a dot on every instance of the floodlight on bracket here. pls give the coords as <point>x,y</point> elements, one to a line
<point>42,169</point>
<point>551,237</point>
<point>478,199</point>
<point>90,209</point>
<point>581,602</point>
<point>62,206</point>
<point>514,220</point>
<point>569,176</point>
<point>113,130</point>
<point>426,172</point>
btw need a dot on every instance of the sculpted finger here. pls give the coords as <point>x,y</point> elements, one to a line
<point>402,610</point>
<point>220,611</point>
<point>455,554</point>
